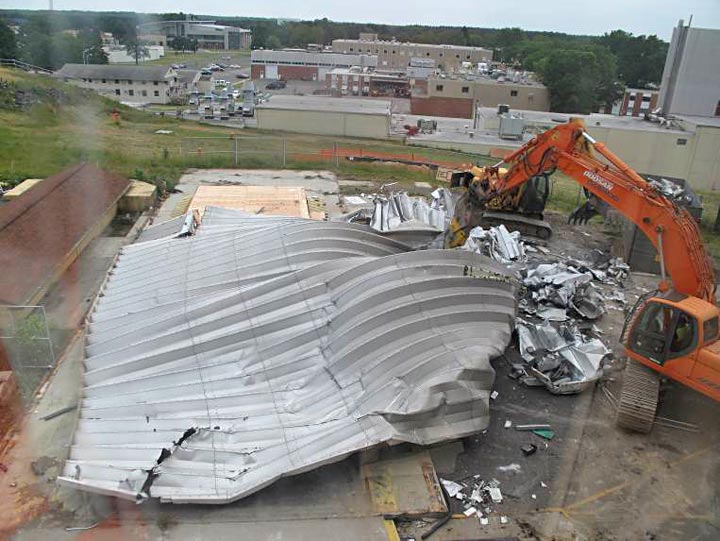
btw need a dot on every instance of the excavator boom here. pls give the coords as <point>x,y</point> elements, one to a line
<point>570,149</point>
<point>675,333</point>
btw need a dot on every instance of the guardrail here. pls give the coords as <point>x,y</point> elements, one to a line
<point>24,65</point>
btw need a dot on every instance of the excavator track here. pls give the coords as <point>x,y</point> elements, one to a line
<point>638,398</point>
<point>517,222</point>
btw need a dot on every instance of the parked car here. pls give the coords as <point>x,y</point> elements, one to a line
<point>242,76</point>
<point>275,85</point>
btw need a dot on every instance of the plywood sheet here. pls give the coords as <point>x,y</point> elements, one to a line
<point>276,200</point>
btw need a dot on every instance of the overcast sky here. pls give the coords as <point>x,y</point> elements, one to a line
<point>571,16</point>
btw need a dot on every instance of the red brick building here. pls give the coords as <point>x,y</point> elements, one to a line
<point>637,102</point>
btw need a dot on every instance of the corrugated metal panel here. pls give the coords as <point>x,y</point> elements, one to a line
<point>267,346</point>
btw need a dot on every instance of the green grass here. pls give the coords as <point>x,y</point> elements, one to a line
<point>43,139</point>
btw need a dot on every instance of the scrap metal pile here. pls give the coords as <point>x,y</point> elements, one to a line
<point>262,347</point>
<point>558,345</point>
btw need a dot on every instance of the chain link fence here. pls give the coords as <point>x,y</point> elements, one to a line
<point>243,151</point>
<point>26,337</point>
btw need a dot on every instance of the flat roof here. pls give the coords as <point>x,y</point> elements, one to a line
<point>712,121</point>
<point>413,44</point>
<point>596,120</point>
<point>327,104</point>
<point>487,81</point>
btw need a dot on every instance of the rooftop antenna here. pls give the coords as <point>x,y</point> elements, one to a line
<point>689,20</point>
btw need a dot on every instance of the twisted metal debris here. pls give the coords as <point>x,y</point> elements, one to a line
<point>263,347</point>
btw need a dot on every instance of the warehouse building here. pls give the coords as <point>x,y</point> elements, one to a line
<point>691,77</point>
<point>127,84</point>
<point>396,54</point>
<point>298,64</point>
<point>457,97</point>
<point>208,34</point>
<point>347,117</point>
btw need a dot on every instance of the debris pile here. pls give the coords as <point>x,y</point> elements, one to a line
<point>563,360</point>
<point>477,496</point>
<point>559,293</point>
<point>497,243</point>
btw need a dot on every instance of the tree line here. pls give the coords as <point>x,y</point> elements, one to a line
<point>582,73</point>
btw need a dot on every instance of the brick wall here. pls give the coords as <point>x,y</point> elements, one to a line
<point>449,107</point>
<point>305,73</point>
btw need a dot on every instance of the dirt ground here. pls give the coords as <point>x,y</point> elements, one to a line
<point>592,481</point>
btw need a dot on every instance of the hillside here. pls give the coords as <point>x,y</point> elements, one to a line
<point>46,125</point>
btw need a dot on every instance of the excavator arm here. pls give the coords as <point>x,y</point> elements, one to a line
<point>569,148</point>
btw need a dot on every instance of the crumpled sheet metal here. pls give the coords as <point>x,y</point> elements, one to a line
<point>266,347</point>
<point>539,344</point>
<point>497,243</point>
<point>399,210</point>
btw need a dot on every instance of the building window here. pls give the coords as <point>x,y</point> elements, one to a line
<point>465,89</point>
<point>441,54</point>
<point>155,83</point>
<point>144,93</point>
<point>131,92</point>
<point>157,93</point>
<point>427,54</point>
<point>89,80</point>
<point>468,57</point>
<point>117,81</point>
<point>439,88</point>
<point>129,82</point>
<point>104,81</point>
<point>117,91</point>
<point>351,49</point>
<point>682,142</point>
<point>457,56</point>
<point>513,93</point>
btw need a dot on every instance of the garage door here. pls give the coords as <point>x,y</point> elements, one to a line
<point>271,71</point>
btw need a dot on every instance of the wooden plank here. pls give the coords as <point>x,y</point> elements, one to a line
<point>275,200</point>
<point>404,486</point>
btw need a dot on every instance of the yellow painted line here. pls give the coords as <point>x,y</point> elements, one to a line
<point>605,492</point>
<point>390,530</point>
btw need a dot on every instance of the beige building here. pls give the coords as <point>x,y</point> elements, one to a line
<point>396,54</point>
<point>487,92</point>
<point>458,97</point>
<point>131,84</point>
<point>347,117</point>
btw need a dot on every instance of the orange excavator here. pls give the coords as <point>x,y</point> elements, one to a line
<point>671,332</point>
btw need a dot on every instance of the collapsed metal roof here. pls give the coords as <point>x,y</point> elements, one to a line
<point>263,347</point>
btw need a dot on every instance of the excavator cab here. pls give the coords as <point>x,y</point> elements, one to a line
<point>673,335</point>
<point>661,332</point>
